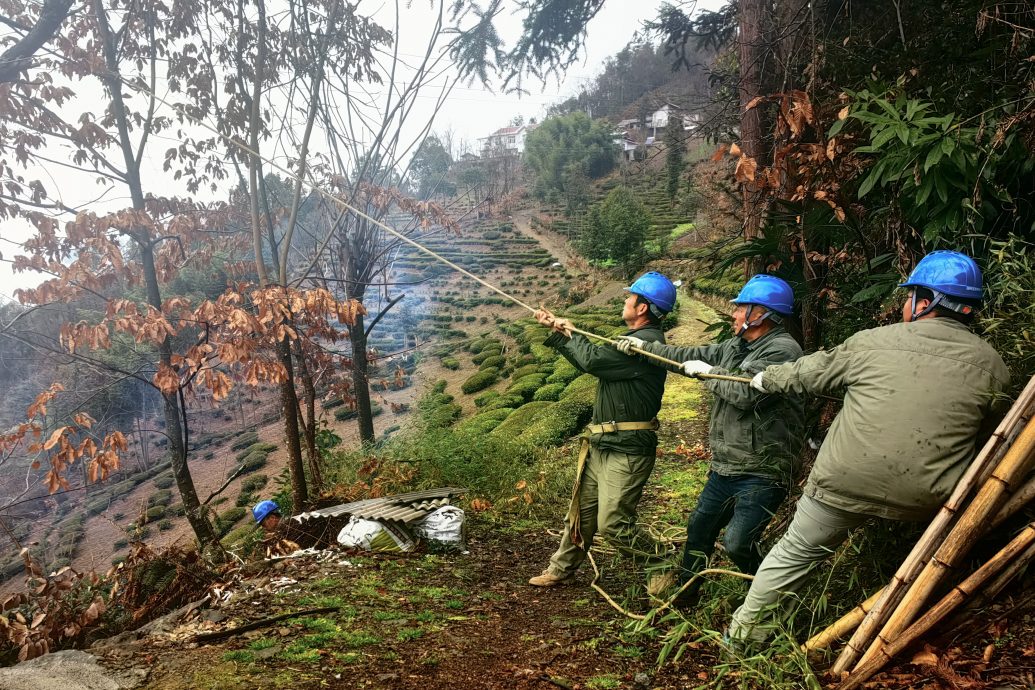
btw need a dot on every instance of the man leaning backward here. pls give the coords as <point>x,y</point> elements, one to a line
<point>618,447</point>
<point>755,438</point>
<point>915,396</point>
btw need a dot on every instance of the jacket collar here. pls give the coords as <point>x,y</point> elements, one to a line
<point>758,342</point>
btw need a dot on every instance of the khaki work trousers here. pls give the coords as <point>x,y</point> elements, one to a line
<point>611,486</point>
<point>814,534</point>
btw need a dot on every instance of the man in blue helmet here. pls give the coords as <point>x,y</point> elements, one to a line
<point>275,541</point>
<point>916,395</point>
<point>755,438</point>
<point>618,448</point>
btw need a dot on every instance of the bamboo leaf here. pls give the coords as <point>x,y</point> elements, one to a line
<point>933,156</point>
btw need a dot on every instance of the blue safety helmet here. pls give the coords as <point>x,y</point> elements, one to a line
<point>262,510</point>
<point>951,277</point>
<point>656,289</point>
<point>949,273</point>
<point>767,291</point>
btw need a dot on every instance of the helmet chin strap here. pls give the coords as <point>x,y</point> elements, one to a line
<point>768,314</point>
<point>928,309</point>
<point>940,300</point>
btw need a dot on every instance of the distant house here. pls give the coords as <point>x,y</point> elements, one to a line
<point>629,148</point>
<point>506,140</point>
<point>467,157</point>
<point>631,124</point>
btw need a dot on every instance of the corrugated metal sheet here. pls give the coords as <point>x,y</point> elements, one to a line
<point>403,508</point>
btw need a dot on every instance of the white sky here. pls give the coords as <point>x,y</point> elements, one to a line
<point>472,111</point>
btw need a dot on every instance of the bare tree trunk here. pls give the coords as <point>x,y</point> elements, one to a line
<point>289,408</point>
<point>361,381</point>
<point>172,408</point>
<point>751,49</point>
<point>309,420</point>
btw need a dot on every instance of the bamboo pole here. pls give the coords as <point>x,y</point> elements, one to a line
<point>844,624</point>
<point>970,525</point>
<point>989,456</point>
<point>1017,500</point>
<point>1008,555</point>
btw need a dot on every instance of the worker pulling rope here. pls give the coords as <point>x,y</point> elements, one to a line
<point>438,257</point>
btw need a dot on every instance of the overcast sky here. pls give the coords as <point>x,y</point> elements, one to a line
<point>472,110</point>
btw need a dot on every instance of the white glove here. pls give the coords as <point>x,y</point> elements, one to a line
<point>756,382</point>
<point>624,343</point>
<point>696,367</point>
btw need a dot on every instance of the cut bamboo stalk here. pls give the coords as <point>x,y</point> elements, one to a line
<point>1008,555</point>
<point>842,626</point>
<point>989,457</point>
<point>1017,500</point>
<point>1009,573</point>
<point>971,524</point>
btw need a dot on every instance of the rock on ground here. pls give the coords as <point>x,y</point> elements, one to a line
<point>68,670</point>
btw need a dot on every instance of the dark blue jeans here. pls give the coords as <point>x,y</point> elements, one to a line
<point>744,505</point>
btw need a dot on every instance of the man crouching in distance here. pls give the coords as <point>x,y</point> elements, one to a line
<point>274,542</point>
<point>618,447</point>
<point>755,438</point>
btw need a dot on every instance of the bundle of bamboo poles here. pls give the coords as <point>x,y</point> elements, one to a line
<point>997,481</point>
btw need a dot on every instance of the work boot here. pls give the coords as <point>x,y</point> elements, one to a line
<point>548,579</point>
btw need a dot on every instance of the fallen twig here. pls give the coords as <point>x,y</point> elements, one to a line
<point>255,625</point>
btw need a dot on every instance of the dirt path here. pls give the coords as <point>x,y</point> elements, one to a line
<point>551,241</point>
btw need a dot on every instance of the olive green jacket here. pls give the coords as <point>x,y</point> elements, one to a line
<point>749,432</point>
<point>629,389</point>
<point>915,397</point>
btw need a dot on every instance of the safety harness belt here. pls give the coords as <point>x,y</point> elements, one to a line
<point>593,432</point>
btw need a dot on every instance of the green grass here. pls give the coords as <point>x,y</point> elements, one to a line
<point>606,682</point>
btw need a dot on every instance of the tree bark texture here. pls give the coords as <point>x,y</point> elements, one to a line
<point>172,403</point>
<point>751,52</point>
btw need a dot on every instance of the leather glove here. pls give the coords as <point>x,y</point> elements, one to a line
<point>696,367</point>
<point>626,342</point>
<point>756,382</point>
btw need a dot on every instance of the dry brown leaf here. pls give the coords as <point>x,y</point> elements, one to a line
<point>745,170</point>
<point>925,658</point>
<point>735,150</point>
<point>842,113</point>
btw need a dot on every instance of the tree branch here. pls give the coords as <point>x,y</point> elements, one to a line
<point>18,57</point>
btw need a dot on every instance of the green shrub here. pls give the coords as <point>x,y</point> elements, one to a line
<point>165,525</point>
<point>486,398</point>
<point>551,391</point>
<point>451,363</point>
<point>254,483</point>
<point>244,440</point>
<point>563,372</point>
<point>155,512</point>
<point>160,498</point>
<point>245,499</point>
<point>225,521</point>
<point>543,353</point>
<point>505,401</point>
<point>524,371</point>
<point>480,381</point>
<point>475,346</point>
<point>177,510</point>
<point>345,413</point>
<point>489,351</point>
<point>261,447</point>
<point>582,386</point>
<point>121,544</point>
<point>96,506</point>
<point>164,481</point>
<point>332,403</point>
<point>483,423</point>
<point>437,410</point>
<point>494,362</point>
<point>254,460</point>
<point>553,424</point>
<point>515,423</point>
<point>526,386</point>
